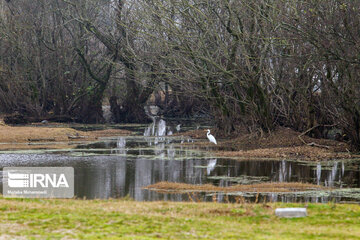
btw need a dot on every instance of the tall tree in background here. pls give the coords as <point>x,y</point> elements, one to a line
<point>42,75</point>
<point>218,51</point>
<point>120,40</point>
<point>250,65</point>
<point>330,27</point>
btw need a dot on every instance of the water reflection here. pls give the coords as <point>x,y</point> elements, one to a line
<point>119,176</point>
<point>157,128</point>
<point>318,173</point>
<point>121,143</point>
<point>122,166</point>
<point>211,166</point>
<point>331,177</point>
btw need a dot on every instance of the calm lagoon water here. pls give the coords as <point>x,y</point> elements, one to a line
<point>121,166</point>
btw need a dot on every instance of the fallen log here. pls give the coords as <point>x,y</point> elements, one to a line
<point>313,144</point>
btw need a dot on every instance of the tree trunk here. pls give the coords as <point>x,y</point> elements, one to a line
<point>91,107</point>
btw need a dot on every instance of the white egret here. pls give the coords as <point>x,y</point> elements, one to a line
<point>210,137</point>
<point>178,127</point>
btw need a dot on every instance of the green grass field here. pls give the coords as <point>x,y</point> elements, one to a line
<point>126,219</point>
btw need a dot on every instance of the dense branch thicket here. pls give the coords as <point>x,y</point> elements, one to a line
<point>250,65</point>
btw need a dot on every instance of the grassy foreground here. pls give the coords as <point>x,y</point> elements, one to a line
<point>125,219</point>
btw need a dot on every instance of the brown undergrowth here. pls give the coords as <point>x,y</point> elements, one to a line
<point>298,152</point>
<point>261,187</point>
<point>281,143</point>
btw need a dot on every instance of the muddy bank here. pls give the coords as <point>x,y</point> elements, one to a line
<point>283,143</point>
<point>299,152</point>
<point>32,137</point>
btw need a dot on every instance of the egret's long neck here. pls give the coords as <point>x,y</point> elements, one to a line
<point>208,132</point>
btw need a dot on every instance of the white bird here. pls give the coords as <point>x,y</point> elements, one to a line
<point>210,137</point>
<point>178,127</point>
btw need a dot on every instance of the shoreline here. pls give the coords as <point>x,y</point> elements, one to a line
<point>282,144</point>
<point>49,137</point>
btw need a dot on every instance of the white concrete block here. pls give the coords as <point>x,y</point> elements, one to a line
<point>291,212</point>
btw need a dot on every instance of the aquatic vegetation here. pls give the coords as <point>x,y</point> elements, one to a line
<point>256,188</point>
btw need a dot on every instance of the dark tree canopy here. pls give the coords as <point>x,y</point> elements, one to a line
<point>248,65</point>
